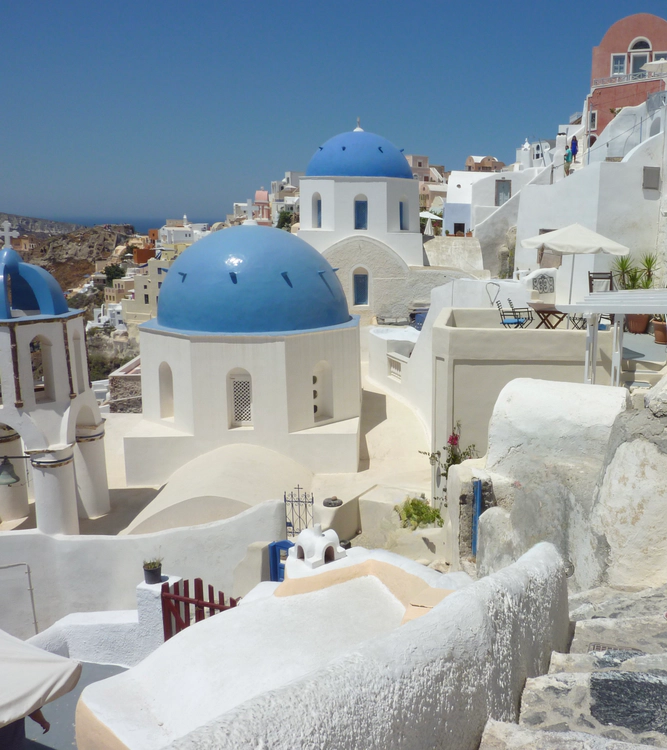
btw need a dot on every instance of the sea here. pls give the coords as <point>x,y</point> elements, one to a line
<point>141,224</point>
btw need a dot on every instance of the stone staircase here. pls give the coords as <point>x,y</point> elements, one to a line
<point>610,690</point>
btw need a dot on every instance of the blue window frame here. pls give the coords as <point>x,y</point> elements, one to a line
<point>360,288</point>
<point>318,213</point>
<point>403,215</point>
<point>361,214</point>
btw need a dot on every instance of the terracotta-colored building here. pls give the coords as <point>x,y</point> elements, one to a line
<point>483,164</point>
<point>141,255</point>
<point>617,78</point>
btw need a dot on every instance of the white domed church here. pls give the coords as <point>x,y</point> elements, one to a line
<point>360,209</point>
<point>253,344</point>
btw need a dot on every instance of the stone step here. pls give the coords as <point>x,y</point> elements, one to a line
<point>617,660</point>
<point>501,736</point>
<point>646,634</point>
<point>623,706</point>
<point>612,603</point>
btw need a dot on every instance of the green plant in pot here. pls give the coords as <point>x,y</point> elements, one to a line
<point>153,570</point>
<point>629,275</point>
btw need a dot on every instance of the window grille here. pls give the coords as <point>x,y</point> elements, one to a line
<point>242,401</point>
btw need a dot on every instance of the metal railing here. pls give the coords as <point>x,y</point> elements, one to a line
<point>625,78</point>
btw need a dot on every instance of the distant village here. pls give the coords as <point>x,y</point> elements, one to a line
<point>376,462</point>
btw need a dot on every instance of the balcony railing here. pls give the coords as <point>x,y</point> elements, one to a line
<point>627,78</point>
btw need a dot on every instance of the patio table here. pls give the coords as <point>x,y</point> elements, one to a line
<point>550,317</point>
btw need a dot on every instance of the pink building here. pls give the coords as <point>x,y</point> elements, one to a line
<point>617,78</point>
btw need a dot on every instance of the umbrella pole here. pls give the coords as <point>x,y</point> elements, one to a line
<point>574,257</point>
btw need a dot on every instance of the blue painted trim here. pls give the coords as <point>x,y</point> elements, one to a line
<point>476,512</point>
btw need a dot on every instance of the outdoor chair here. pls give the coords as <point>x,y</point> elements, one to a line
<point>602,281</point>
<point>512,318</point>
<point>523,313</point>
<point>578,322</point>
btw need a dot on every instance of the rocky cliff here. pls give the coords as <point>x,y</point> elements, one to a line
<point>70,257</point>
<point>41,228</point>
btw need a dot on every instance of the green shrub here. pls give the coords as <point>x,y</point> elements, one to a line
<point>416,513</point>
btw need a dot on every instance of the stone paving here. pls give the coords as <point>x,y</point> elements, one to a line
<point>610,691</point>
<point>499,736</point>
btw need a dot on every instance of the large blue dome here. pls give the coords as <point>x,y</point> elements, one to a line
<point>358,154</point>
<point>251,279</point>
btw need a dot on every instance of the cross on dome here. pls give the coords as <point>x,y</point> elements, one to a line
<point>358,128</point>
<point>7,235</point>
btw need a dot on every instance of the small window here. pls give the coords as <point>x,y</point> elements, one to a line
<point>361,214</point>
<point>618,65</point>
<point>159,285</point>
<point>240,391</point>
<point>360,287</point>
<point>403,215</point>
<point>503,191</point>
<point>159,270</point>
<point>425,178</point>
<point>419,164</point>
<point>317,211</point>
<point>146,299</point>
<point>593,120</point>
<point>651,178</point>
<point>641,44</point>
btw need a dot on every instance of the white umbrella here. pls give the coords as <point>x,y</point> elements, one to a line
<point>659,67</point>
<point>31,677</point>
<point>429,215</point>
<point>574,240</point>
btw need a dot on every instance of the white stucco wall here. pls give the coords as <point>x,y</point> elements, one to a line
<point>606,197</point>
<point>547,446</point>
<point>96,573</point>
<point>433,682</point>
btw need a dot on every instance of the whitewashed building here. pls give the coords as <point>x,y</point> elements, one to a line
<point>253,344</point>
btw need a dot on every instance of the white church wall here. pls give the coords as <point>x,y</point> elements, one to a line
<point>513,620</point>
<point>339,391</point>
<point>98,573</point>
<point>383,195</point>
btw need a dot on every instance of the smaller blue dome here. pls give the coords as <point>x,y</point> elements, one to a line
<point>250,279</point>
<point>26,287</point>
<point>358,154</point>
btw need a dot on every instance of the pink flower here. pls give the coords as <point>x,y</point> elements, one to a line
<point>453,440</point>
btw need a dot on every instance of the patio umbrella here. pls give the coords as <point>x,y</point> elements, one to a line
<point>574,240</point>
<point>659,67</point>
<point>31,677</point>
<point>429,215</point>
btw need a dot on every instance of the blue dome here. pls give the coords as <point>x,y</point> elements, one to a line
<point>28,288</point>
<point>358,154</point>
<point>251,279</point>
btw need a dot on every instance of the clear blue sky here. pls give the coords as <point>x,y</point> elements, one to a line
<point>152,109</point>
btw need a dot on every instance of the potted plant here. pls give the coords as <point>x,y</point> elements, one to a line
<point>631,276</point>
<point>660,329</point>
<point>153,570</point>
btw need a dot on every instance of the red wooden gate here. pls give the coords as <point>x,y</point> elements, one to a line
<point>176,614</point>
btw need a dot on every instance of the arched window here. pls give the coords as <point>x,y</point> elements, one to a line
<point>166,381</point>
<point>322,392</point>
<point>78,362</point>
<point>42,369</point>
<point>403,215</point>
<point>640,50</point>
<point>361,212</point>
<point>329,555</point>
<point>299,552</point>
<point>360,286</point>
<point>239,397</point>
<point>317,211</point>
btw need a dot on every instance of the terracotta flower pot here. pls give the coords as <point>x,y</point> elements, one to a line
<point>660,331</point>
<point>637,323</point>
